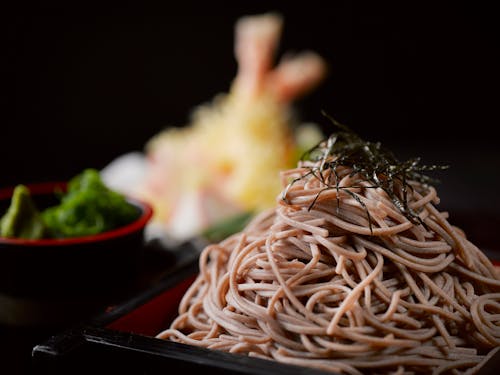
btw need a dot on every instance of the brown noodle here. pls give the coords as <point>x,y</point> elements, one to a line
<point>326,286</point>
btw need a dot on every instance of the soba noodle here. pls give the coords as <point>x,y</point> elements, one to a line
<point>341,280</point>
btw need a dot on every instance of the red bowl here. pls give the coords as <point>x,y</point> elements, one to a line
<point>47,189</point>
<point>36,275</point>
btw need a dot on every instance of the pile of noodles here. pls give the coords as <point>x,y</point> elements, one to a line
<point>341,280</point>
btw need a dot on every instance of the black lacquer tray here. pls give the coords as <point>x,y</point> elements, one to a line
<point>121,340</point>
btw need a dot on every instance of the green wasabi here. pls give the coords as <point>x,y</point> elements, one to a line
<point>22,219</point>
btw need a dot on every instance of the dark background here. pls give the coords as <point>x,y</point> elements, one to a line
<point>87,82</point>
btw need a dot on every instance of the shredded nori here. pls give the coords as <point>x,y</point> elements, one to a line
<point>370,160</point>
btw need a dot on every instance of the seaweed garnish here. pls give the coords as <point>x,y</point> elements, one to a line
<point>370,160</point>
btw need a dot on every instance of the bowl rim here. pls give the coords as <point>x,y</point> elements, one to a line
<point>146,213</point>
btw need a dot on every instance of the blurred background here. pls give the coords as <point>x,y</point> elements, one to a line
<point>85,83</point>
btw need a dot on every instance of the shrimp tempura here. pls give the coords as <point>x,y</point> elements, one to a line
<point>229,158</point>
